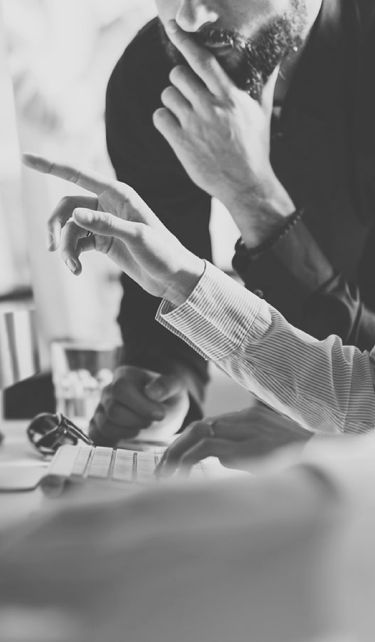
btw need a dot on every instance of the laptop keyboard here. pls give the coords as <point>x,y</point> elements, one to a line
<point>80,463</point>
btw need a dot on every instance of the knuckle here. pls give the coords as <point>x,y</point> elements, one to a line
<point>219,110</point>
<point>53,220</point>
<point>103,222</point>
<point>70,227</point>
<point>141,233</point>
<point>194,428</point>
<point>105,218</point>
<point>132,196</point>
<point>123,372</point>
<point>64,208</point>
<point>206,61</point>
<point>117,389</point>
<point>66,201</point>
<point>58,215</point>
<point>127,194</point>
<point>66,255</point>
<point>199,429</point>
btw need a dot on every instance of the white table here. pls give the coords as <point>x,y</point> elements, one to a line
<point>20,460</point>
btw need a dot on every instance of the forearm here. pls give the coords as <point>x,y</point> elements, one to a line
<point>288,274</point>
<point>297,279</point>
<point>324,385</point>
<point>260,214</point>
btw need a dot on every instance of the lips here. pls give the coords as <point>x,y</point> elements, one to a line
<point>218,48</point>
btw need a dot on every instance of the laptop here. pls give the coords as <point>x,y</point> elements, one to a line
<point>109,467</point>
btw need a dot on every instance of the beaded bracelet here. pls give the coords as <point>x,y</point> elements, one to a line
<point>250,254</point>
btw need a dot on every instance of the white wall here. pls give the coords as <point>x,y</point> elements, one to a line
<point>61,55</point>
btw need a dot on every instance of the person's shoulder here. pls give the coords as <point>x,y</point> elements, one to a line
<point>144,63</point>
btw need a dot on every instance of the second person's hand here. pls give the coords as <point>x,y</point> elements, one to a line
<point>139,400</point>
<point>235,438</point>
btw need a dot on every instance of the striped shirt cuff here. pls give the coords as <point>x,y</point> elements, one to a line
<point>217,316</point>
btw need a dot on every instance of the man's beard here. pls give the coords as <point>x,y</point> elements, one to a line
<point>249,62</point>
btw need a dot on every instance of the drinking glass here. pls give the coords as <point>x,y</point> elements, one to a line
<point>80,373</point>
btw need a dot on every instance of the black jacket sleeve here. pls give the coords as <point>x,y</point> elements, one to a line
<point>297,279</point>
<point>142,158</point>
<point>321,276</point>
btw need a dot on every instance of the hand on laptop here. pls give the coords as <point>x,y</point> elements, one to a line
<point>137,400</point>
<point>117,222</point>
<point>233,438</point>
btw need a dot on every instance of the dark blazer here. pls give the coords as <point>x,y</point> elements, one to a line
<point>321,276</point>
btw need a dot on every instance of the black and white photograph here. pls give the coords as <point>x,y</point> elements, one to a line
<point>187,320</point>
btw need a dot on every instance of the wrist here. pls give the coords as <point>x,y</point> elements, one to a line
<point>184,281</point>
<point>245,255</point>
<point>259,212</point>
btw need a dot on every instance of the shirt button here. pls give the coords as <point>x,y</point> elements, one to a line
<point>259,293</point>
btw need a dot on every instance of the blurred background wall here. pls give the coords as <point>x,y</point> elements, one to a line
<point>59,55</point>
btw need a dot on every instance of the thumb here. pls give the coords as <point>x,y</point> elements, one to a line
<point>105,224</point>
<point>164,387</point>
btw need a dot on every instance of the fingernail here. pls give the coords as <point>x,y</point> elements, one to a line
<point>72,265</point>
<point>171,27</point>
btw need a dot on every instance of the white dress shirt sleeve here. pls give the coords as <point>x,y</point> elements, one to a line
<point>325,386</point>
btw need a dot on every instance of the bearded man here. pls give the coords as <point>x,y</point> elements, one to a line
<point>306,244</point>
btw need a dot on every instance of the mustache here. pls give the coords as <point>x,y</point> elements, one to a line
<point>253,57</point>
<point>211,36</point>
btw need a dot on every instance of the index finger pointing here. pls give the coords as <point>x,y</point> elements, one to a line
<point>202,61</point>
<point>88,180</point>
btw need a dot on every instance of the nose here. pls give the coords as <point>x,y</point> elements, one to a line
<point>192,15</point>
